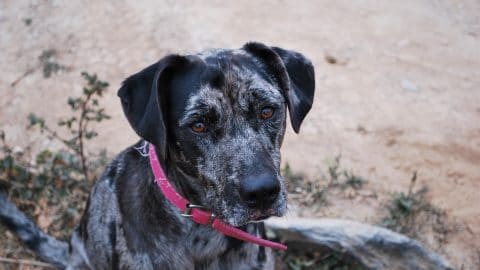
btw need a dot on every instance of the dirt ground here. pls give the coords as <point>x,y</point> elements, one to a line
<point>403,94</point>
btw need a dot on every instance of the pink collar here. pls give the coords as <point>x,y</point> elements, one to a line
<point>196,213</point>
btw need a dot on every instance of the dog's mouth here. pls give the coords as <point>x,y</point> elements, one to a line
<point>257,215</point>
<point>241,216</point>
<point>253,218</point>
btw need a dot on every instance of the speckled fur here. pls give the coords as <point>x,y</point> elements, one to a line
<point>128,223</point>
<point>217,166</point>
<point>180,245</point>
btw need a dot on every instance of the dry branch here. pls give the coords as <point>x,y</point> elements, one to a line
<point>373,247</point>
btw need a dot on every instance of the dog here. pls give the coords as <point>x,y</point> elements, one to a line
<point>216,120</point>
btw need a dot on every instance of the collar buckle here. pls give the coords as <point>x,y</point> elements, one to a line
<point>189,208</point>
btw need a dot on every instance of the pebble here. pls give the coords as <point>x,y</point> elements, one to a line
<point>408,85</point>
<point>403,43</point>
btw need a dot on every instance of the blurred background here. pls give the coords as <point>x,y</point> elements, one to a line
<point>393,138</point>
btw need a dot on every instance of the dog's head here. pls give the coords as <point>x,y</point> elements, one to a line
<point>218,120</point>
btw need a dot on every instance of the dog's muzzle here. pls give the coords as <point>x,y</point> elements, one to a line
<point>196,213</point>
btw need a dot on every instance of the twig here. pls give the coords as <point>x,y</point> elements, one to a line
<point>26,262</point>
<point>55,135</point>
<point>28,72</point>
<point>412,184</point>
<point>81,127</point>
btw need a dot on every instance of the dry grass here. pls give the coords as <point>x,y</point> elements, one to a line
<point>52,187</point>
<point>412,214</point>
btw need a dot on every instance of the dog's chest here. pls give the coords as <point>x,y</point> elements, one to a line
<point>203,248</point>
<point>200,249</point>
<point>123,232</point>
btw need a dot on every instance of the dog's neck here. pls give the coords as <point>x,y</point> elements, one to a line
<point>185,184</point>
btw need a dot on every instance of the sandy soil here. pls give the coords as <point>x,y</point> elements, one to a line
<point>404,95</point>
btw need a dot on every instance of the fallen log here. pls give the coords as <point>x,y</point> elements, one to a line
<point>371,246</point>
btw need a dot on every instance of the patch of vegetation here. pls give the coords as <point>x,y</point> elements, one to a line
<point>27,21</point>
<point>315,192</point>
<point>41,185</point>
<point>314,260</point>
<point>85,110</point>
<point>354,181</point>
<point>412,214</point>
<point>48,62</point>
<point>309,192</point>
<point>343,178</point>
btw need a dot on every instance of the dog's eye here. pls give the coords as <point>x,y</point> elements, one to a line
<point>266,113</point>
<point>199,127</point>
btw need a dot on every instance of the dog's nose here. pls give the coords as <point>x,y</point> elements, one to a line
<point>260,190</point>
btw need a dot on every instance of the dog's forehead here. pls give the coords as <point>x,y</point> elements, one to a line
<point>241,76</point>
<point>216,54</point>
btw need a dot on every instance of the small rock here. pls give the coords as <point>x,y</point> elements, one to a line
<point>367,193</point>
<point>362,130</point>
<point>17,150</point>
<point>330,59</point>
<point>350,193</point>
<point>403,43</point>
<point>408,85</point>
<point>334,60</point>
<point>472,33</point>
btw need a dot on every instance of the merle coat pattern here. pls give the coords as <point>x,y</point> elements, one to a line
<point>217,120</point>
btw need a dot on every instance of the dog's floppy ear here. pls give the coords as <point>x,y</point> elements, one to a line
<point>143,99</point>
<point>295,75</point>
